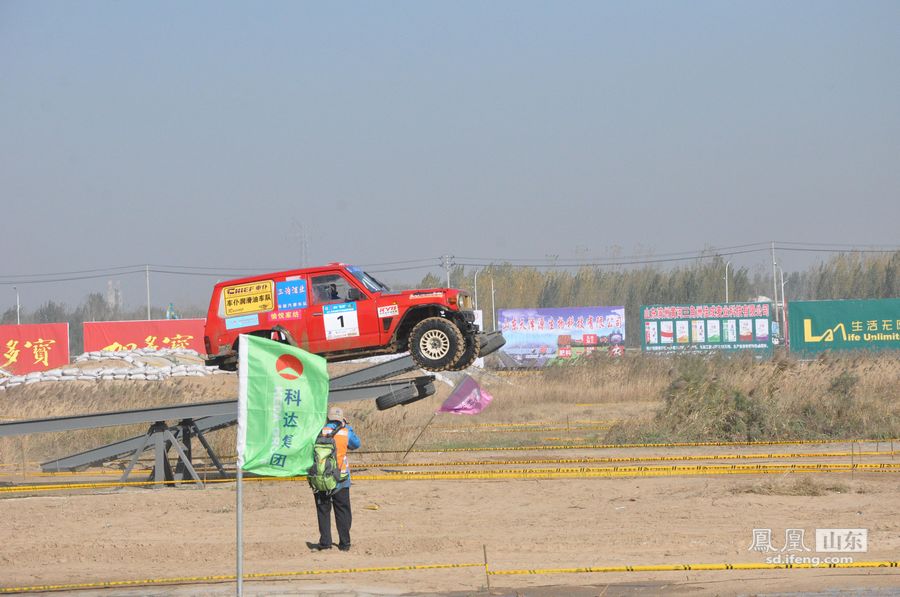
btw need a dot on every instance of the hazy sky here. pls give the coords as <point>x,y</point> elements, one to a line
<point>214,133</point>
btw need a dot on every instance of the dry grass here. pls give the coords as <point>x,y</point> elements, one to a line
<point>742,399</point>
<point>656,399</point>
<point>801,485</point>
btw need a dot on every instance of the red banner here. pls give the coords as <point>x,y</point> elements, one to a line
<point>134,335</point>
<point>33,347</point>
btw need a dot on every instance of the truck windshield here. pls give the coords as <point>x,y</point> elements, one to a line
<point>370,282</point>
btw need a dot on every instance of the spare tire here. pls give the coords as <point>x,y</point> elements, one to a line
<point>436,343</point>
<point>391,400</point>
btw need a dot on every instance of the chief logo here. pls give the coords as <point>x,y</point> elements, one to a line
<point>289,367</point>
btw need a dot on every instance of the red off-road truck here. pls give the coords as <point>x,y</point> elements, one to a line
<point>340,312</point>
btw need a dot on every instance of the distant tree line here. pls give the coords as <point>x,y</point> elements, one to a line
<point>844,276</point>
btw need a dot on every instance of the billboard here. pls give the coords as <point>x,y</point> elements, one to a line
<point>153,334</point>
<point>538,337</point>
<point>33,347</point>
<point>817,326</point>
<point>708,327</point>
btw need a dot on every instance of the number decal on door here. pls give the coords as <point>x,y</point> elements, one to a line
<point>340,321</point>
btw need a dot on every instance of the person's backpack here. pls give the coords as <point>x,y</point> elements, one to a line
<point>325,473</point>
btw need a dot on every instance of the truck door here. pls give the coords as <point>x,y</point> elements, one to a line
<point>341,315</point>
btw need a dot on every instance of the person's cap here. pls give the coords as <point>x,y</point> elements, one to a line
<point>336,413</point>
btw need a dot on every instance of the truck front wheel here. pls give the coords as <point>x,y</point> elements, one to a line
<point>436,343</point>
<point>473,346</point>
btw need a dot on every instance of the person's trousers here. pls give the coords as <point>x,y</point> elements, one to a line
<point>342,516</point>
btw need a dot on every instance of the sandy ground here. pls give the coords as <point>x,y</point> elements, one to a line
<point>137,533</point>
<point>96,535</point>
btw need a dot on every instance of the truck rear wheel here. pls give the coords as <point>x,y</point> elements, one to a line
<point>436,343</point>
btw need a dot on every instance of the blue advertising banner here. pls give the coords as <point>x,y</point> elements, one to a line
<point>538,337</point>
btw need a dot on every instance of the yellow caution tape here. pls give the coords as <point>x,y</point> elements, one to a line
<point>225,577</point>
<point>599,459</point>
<point>526,461</point>
<point>508,572</point>
<point>701,469</point>
<point>526,429</point>
<point>628,446</point>
<point>694,567</point>
<point>561,473</point>
<point>529,424</point>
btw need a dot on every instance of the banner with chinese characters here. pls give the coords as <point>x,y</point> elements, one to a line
<point>282,404</point>
<point>154,334</point>
<point>538,337</point>
<point>817,326</point>
<point>709,327</point>
<point>33,347</point>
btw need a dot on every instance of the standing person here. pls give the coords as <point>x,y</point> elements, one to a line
<point>344,438</point>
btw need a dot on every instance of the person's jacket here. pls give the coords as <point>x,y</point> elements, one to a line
<point>345,439</point>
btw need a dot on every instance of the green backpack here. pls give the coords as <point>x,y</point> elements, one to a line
<point>325,473</point>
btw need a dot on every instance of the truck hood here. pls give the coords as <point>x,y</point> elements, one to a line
<point>422,292</point>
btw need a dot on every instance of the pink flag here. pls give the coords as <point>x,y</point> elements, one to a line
<point>468,398</point>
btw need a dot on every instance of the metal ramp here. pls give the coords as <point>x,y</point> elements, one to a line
<point>195,420</point>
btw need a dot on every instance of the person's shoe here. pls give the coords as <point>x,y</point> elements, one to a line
<point>316,546</point>
<point>344,547</point>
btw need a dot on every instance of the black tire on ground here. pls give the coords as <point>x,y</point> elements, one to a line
<point>436,343</point>
<point>471,352</point>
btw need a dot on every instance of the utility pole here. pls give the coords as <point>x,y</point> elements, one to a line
<point>447,263</point>
<point>476,289</point>
<point>774,281</point>
<point>301,238</point>
<point>148,292</point>
<point>493,310</point>
<point>18,319</point>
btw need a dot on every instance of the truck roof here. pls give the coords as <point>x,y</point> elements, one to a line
<point>289,272</point>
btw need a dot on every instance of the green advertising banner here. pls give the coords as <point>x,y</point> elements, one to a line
<point>703,328</point>
<point>817,326</point>
<point>282,405</point>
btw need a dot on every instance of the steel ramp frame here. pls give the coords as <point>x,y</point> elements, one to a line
<point>160,437</point>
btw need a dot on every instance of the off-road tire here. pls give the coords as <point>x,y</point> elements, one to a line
<point>436,343</point>
<point>471,352</point>
<point>390,401</point>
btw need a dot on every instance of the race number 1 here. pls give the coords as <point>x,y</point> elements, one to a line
<point>340,321</point>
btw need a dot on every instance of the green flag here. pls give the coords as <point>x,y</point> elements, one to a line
<point>282,405</point>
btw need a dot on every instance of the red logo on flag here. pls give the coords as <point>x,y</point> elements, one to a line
<point>289,366</point>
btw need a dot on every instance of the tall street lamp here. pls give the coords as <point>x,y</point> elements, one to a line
<point>783,319</point>
<point>727,263</point>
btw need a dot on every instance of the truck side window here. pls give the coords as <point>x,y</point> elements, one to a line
<point>330,288</point>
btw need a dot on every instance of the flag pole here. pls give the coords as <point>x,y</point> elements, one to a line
<point>243,372</point>
<point>418,436</point>
<point>240,531</point>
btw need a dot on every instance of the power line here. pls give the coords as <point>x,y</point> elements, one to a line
<point>614,263</point>
<point>441,262</point>
<point>84,271</point>
<point>71,279</point>
<point>431,260</point>
<point>810,250</point>
<point>702,252</point>
<point>885,247</point>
